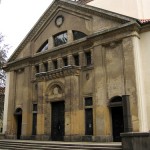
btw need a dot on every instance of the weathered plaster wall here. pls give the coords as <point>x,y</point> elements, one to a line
<point>133,8</point>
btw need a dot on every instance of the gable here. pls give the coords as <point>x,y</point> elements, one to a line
<point>76,17</point>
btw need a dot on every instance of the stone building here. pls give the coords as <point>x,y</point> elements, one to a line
<point>77,76</point>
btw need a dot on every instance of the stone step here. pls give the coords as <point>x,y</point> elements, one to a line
<point>47,145</point>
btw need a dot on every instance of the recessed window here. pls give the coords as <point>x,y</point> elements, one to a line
<point>55,64</point>
<point>88,101</point>
<point>34,107</point>
<point>76,59</point>
<point>60,39</point>
<point>88,58</point>
<point>46,66</point>
<point>78,35</point>
<point>44,47</point>
<point>65,61</point>
<point>37,68</point>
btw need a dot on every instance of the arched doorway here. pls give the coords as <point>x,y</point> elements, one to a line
<point>117,117</point>
<point>18,116</point>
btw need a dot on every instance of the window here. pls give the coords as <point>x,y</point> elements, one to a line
<point>88,101</point>
<point>34,119</point>
<point>78,35</point>
<point>44,47</point>
<point>35,107</point>
<point>88,58</point>
<point>46,66</point>
<point>60,39</point>
<point>37,68</point>
<point>65,61</point>
<point>76,60</point>
<point>55,64</point>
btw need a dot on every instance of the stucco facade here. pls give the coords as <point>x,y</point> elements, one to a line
<point>81,89</point>
<point>133,8</point>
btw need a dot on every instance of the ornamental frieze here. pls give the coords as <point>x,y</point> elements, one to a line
<point>58,73</point>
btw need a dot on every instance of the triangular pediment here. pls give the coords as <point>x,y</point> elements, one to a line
<point>75,16</point>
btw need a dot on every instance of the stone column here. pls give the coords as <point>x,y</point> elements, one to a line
<point>41,67</point>
<point>73,116</point>
<point>40,113</point>
<point>81,59</point>
<point>92,56</point>
<point>50,65</point>
<point>133,82</point>
<point>70,36</point>
<point>102,125</point>
<point>50,42</point>
<point>60,62</point>
<point>127,113</point>
<point>70,59</point>
<point>26,114</point>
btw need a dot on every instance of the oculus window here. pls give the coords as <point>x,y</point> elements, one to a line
<point>78,35</point>
<point>60,38</point>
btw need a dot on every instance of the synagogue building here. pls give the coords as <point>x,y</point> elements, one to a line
<point>80,74</point>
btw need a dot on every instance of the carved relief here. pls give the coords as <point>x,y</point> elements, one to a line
<point>55,91</point>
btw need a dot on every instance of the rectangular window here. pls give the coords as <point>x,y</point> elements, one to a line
<point>35,107</point>
<point>76,60</point>
<point>46,66</point>
<point>88,58</point>
<point>37,68</point>
<point>65,61</point>
<point>34,123</point>
<point>88,101</point>
<point>55,64</point>
<point>34,119</point>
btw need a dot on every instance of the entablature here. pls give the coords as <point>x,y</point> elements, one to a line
<point>57,73</point>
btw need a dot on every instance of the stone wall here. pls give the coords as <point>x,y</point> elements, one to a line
<point>135,141</point>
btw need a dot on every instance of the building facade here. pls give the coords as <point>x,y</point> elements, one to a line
<point>76,77</point>
<point>133,8</point>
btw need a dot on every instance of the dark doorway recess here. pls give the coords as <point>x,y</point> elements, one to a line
<point>18,115</point>
<point>117,123</point>
<point>89,121</point>
<point>57,130</point>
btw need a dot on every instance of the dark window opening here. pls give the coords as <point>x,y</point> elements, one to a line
<point>65,61</point>
<point>55,64</point>
<point>44,47</point>
<point>37,68</point>
<point>34,107</point>
<point>60,39</point>
<point>46,66</point>
<point>88,101</point>
<point>76,60</point>
<point>78,35</point>
<point>34,123</point>
<point>88,58</point>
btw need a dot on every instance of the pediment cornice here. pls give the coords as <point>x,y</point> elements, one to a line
<point>73,5</point>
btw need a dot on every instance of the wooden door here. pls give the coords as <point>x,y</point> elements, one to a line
<point>57,130</point>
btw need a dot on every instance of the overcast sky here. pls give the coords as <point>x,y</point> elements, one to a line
<point>17,17</point>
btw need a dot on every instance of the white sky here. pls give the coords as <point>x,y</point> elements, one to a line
<point>17,17</point>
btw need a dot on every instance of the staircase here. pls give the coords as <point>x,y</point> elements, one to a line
<point>48,145</point>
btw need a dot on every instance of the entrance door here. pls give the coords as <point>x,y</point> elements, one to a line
<point>57,130</point>
<point>89,121</point>
<point>19,126</point>
<point>117,123</point>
